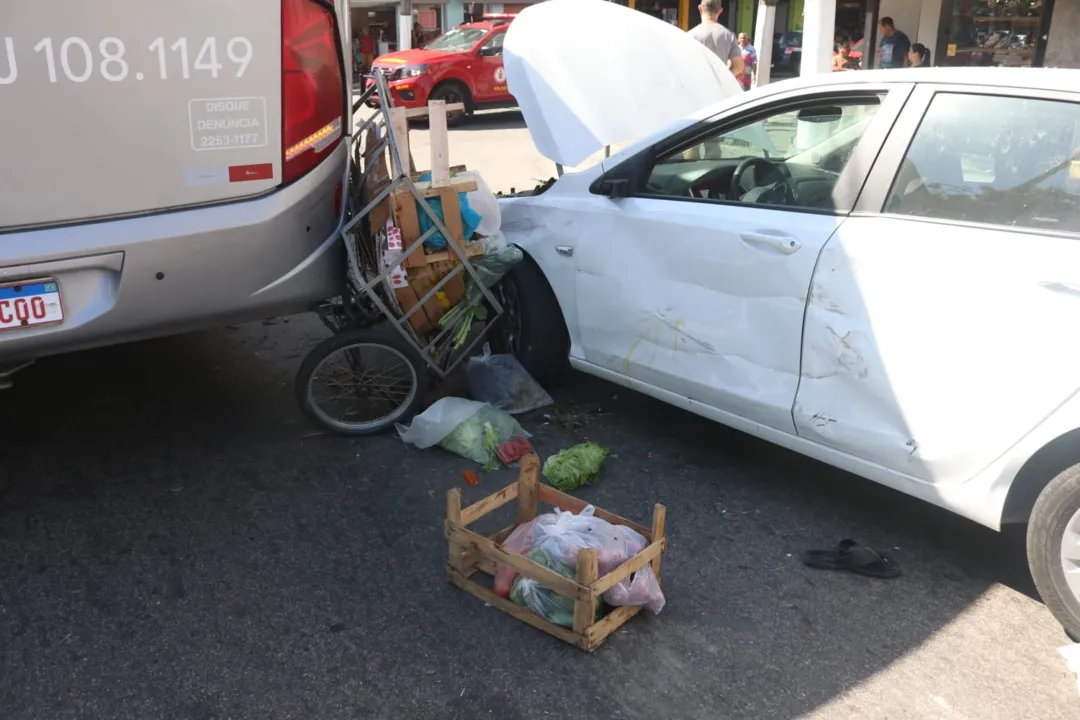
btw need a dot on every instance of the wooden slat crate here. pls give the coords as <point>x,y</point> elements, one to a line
<point>472,553</point>
<point>425,270</point>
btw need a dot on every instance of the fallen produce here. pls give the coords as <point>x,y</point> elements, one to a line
<point>575,467</point>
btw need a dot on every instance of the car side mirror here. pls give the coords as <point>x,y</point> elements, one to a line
<point>613,188</point>
<point>490,51</point>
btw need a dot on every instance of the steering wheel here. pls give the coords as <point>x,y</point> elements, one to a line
<point>786,183</point>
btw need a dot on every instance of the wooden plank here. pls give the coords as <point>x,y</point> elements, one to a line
<point>561,500</point>
<point>500,537</point>
<point>453,516</point>
<point>452,219</point>
<point>599,631</point>
<point>629,567</point>
<point>585,608</point>
<point>439,140</point>
<point>408,219</point>
<point>659,525</point>
<point>399,129</point>
<point>454,170</point>
<point>528,488</point>
<point>423,111</point>
<point>461,184</point>
<point>471,250</point>
<point>517,611</point>
<point>501,556</point>
<point>492,502</point>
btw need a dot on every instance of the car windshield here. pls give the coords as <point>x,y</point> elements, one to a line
<point>457,40</point>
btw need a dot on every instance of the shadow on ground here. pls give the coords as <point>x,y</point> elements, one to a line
<point>178,544</point>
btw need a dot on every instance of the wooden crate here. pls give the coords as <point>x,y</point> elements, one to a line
<point>425,270</point>
<point>471,553</point>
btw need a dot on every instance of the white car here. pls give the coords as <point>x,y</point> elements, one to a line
<point>879,270</point>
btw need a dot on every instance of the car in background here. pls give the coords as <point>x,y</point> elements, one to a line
<point>168,166</point>
<point>463,66</point>
<point>796,262</point>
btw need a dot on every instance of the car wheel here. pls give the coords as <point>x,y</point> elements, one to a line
<point>1053,547</point>
<point>452,92</point>
<point>532,328</point>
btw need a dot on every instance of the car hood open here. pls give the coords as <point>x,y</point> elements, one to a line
<point>590,73</point>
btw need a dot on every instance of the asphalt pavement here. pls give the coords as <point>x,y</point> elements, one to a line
<point>178,543</point>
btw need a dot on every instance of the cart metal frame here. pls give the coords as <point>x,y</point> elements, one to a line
<point>340,315</point>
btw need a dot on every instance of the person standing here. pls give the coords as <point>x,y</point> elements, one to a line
<point>842,60</point>
<point>894,45</point>
<point>919,56</point>
<point>718,38</point>
<point>749,58</point>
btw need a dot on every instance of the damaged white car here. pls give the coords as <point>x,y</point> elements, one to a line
<point>879,270</point>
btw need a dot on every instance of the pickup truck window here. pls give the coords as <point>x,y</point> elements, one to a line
<point>458,40</point>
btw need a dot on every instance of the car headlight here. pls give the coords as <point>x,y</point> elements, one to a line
<point>412,71</point>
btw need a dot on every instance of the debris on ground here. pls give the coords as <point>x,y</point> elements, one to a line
<point>502,382</point>
<point>573,418</point>
<point>471,429</point>
<point>470,477</point>
<point>578,552</point>
<point>513,450</point>
<point>575,467</point>
<point>853,557</point>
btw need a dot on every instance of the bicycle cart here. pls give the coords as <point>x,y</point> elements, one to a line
<point>407,315</point>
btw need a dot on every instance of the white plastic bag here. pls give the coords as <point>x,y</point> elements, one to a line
<point>435,423</point>
<point>642,589</point>
<point>502,382</point>
<point>484,202</point>
<point>563,535</point>
<point>470,429</point>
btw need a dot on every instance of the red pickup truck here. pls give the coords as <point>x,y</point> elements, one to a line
<point>465,65</point>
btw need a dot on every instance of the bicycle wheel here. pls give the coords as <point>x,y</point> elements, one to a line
<point>361,382</point>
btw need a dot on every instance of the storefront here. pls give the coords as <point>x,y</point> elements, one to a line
<point>737,15</point>
<point>996,33</point>
<point>1003,33</point>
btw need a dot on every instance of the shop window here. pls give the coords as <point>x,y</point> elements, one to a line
<point>791,158</point>
<point>1018,165</point>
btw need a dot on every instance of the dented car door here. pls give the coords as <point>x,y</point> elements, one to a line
<point>694,292</point>
<point>939,326</point>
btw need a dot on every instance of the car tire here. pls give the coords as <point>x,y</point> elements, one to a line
<point>532,327</point>
<point>454,92</point>
<point>1055,516</point>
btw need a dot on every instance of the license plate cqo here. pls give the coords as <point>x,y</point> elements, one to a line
<point>30,303</point>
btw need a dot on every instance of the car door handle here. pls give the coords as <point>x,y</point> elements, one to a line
<point>565,250</point>
<point>781,243</point>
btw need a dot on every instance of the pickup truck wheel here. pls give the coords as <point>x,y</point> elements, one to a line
<point>453,92</point>
<point>532,327</point>
<point>1053,547</point>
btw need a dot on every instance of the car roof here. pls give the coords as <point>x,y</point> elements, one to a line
<point>1022,79</point>
<point>484,24</point>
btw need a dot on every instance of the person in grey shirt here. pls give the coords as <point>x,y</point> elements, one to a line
<point>718,38</point>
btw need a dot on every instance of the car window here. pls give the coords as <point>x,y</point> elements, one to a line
<point>791,157</point>
<point>495,41</point>
<point>457,40</point>
<point>1018,166</point>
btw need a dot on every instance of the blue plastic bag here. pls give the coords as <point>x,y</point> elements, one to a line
<point>470,219</point>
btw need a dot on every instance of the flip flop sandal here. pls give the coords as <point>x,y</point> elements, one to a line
<point>850,555</point>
